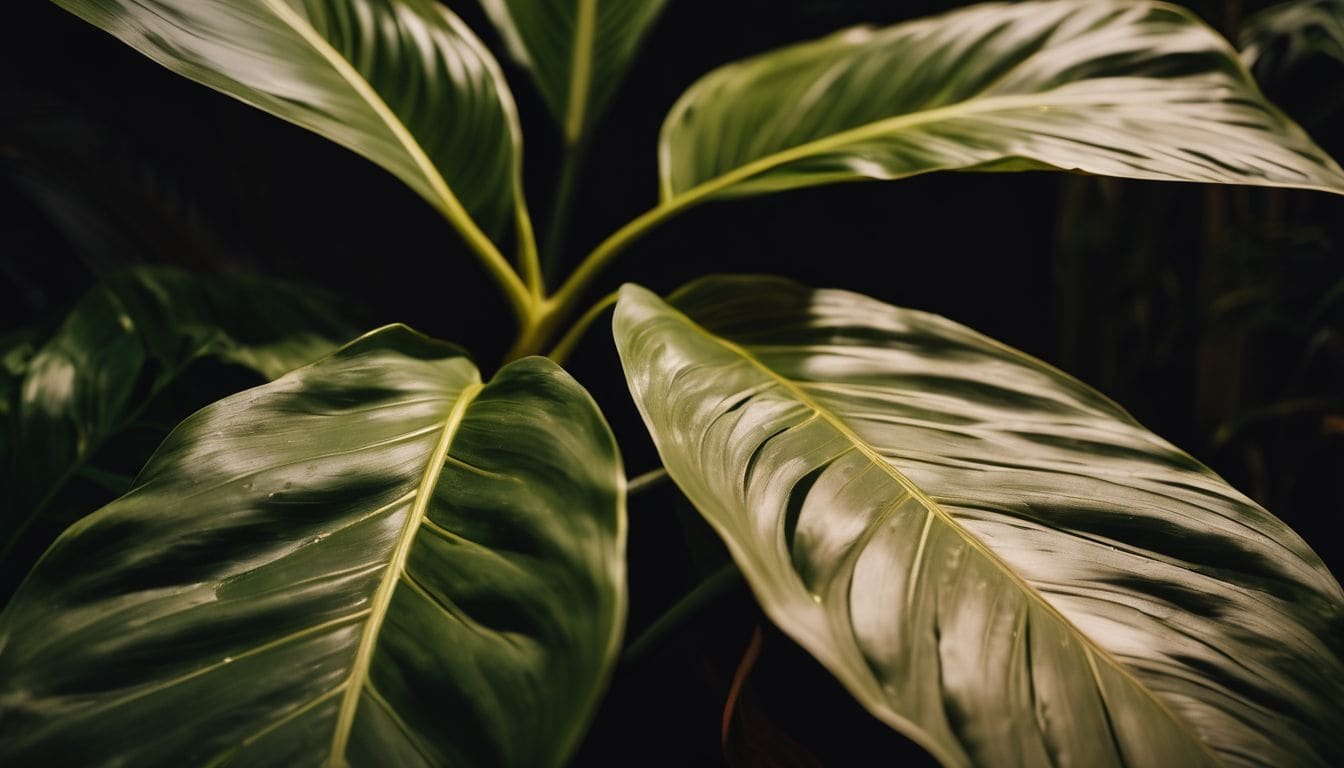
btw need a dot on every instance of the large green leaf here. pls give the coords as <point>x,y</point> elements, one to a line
<point>576,50</point>
<point>374,560</point>
<point>402,82</point>
<point>1132,89</point>
<point>126,341</point>
<point>992,557</point>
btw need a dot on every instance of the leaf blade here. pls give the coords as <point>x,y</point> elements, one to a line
<point>1139,90</point>
<point>307,507</point>
<point>994,559</point>
<point>576,51</point>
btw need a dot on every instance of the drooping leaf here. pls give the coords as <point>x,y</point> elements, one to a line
<point>374,560</point>
<point>1132,89</point>
<point>1281,35</point>
<point>127,340</point>
<point>402,82</point>
<point>992,557</point>
<point>576,50</point>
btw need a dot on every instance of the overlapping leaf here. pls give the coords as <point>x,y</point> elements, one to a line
<point>402,82</point>
<point>130,338</point>
<point>991,556</point>
<point>1132,89</point>
<point>375,560</point>
<point>577,50</point>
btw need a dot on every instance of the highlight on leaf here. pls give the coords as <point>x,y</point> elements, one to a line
<point>993,558</point>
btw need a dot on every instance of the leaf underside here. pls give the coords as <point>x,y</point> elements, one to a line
<point>992,557</point>
<point>375,559</point>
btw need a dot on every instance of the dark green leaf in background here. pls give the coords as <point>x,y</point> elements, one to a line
<point>576,50</point>
<point>1131,89</point>
<point>131,337</point>
<point>374,560</point>
<point>993,558</point>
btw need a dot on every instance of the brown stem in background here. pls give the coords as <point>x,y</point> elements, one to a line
<point>744,668</point>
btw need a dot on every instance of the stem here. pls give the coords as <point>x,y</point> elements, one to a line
<point>651,479</point>
<point>557,225</point>
<point>529,265</point>
<point>575,333</point>
<point>519,297</point>
<point>538,328</point>
<point>744,667</point>
<point>610,248</point>
<point>706,593</point>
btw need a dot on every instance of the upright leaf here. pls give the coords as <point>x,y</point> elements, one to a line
<point>992,557</point>
<point>402,82</point>
<point>1132,89</point>
<point>375,560</point>
<point>576,50</point>
<point>126,341</point>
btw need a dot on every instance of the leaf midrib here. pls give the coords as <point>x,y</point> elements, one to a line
<point>382,597</point>
<point>1088,644</point>
<point>580,70</point>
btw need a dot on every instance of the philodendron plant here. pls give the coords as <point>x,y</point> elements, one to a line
<point>389,557</point>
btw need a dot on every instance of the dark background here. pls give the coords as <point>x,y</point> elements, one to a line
<point>1214,315</point>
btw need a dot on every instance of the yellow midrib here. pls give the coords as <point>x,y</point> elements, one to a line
<point>382,598</point>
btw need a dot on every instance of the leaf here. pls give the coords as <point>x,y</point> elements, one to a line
<point>1132,89</point>
<point>402,82</point>
<point>576,50</point>
<point>1278,37</point>
<point>126,341</point>
<point>374,560</point>
<point>993,558</point>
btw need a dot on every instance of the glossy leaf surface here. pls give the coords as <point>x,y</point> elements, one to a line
<point>992,557</point>
<point>402,82</point>
<point>374,560</point>
<point>1131,89</point>
<point>576,50</point>
<point>127,340</point>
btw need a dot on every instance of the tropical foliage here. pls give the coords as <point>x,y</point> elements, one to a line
<point>382,549</point>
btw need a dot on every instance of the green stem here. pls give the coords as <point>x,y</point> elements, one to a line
<point>528,263</point>
<point>557,308</point>
<point>651,479</point>
<point>709,591</point>
<point>560,353</point>
<point>609,249</point>
<point>557,226</point>
<point>522,300</point>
